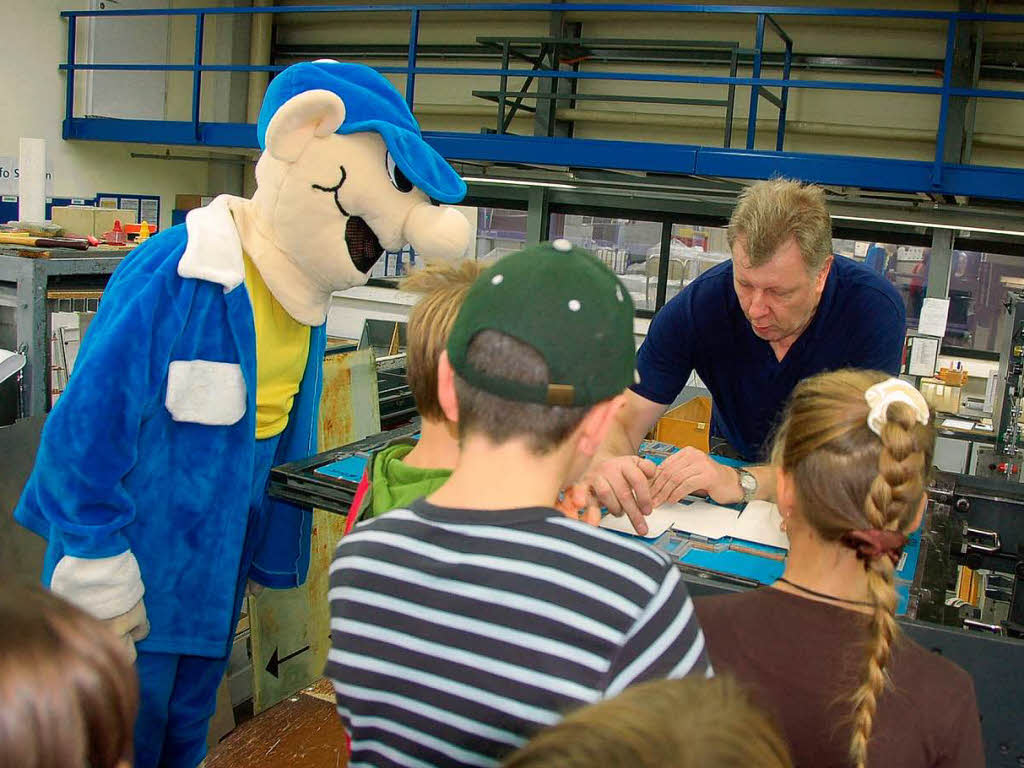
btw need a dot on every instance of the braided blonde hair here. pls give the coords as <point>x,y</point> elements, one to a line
<point>847,478</point>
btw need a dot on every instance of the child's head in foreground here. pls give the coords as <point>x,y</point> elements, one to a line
<point>688,723</point>
<point>68,694</point>
<point>542,350</point>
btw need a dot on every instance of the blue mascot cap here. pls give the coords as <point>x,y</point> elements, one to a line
<point>371,104</point>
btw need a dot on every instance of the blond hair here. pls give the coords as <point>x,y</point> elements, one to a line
<point>689,723</point>
<point>770,213</point>
<point>443,286</point>
<point>68,694</point>
<point>847,478</point>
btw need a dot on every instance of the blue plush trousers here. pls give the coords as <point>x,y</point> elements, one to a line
<point>178,694</point>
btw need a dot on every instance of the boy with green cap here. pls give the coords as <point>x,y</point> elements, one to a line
<point>471,619</point>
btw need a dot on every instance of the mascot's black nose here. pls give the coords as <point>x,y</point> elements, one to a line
<point>363,245</point>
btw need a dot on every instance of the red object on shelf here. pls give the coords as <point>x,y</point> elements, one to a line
<point>116,236</point>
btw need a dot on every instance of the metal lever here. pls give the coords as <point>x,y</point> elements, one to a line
<point>993,628</point>
<point>974,546</point>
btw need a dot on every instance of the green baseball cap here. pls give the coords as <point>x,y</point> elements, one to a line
<point>567,305</point>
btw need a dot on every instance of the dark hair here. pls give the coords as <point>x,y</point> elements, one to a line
<point>502,356</point>
<point>689,723</point>
<point>68,694</point>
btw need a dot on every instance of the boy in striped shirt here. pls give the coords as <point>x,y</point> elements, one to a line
<point>471,619</point>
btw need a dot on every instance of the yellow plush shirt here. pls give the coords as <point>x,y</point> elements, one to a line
<point>282,348</point>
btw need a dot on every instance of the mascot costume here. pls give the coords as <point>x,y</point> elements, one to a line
<point>202,370</point>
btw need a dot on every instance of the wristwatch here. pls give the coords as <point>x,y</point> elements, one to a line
<point>748,484</point>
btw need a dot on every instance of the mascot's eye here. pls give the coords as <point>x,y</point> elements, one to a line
<point>398,179</point>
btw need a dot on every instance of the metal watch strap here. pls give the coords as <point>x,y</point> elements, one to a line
<point>748,493</point>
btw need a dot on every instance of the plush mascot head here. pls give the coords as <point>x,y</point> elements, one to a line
<point>345,174</point>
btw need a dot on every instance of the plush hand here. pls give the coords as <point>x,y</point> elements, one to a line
<point>131,627</point>
<point>109,588</point>
<point>690,470</point>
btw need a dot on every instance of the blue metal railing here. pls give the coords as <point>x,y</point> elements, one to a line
<point>758,84</point>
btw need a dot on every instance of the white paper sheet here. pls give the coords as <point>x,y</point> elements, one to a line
<point>924,355</point>
<point>958,424</point>
<point>761,523</point>
<point>933,317</point>
<point>659,521</point>
<point>696,517</point>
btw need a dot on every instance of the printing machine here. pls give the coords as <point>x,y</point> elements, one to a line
<point>973,529</point>
<point>387,338</point>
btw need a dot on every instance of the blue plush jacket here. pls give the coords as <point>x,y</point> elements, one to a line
<point>117,471</point>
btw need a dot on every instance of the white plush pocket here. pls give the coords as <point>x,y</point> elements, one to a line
<point>204,392</point>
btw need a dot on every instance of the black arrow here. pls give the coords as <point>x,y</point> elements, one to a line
<point>275,663</point>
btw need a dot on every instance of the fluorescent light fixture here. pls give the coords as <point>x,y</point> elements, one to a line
<point>932,225</point>
<point>10,364</point>
<point>518,182</point>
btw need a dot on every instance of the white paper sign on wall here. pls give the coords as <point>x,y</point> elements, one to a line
<point>9,176</point>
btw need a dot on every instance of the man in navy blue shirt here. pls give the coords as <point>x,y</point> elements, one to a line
<point>783,309</point>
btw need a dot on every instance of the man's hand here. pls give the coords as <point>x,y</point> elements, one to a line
<point>690,470</point>
<point>621,485</point>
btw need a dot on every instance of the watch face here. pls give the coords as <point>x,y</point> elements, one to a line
<point>748,482</point>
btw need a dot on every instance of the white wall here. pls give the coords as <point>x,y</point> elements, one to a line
<point>34,107</point>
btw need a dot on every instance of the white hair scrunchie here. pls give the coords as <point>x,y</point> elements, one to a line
<point>883,394</point>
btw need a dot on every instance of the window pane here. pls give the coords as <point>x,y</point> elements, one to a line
<point>905,266</point>
<point>694,251</point>
<point>630,247</point>
<point>499,232</point>
<point>978,283</point>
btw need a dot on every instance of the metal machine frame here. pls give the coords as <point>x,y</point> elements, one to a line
<point>994,661</point>
<point>937,175</point>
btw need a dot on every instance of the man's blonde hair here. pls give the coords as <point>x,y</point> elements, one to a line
<point>771,212</point>
<point>443,286</point>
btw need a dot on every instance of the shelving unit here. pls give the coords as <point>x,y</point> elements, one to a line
<point>26,277</point>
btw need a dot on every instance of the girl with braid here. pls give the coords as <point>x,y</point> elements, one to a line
<point>820,648</point>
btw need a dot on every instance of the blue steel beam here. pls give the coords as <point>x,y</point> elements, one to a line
<point>410,78</point>
<point>866,172</point>
<point>947,81</point>
<point>69,85</point>
<point>777,10</point>
<point>834,85</point>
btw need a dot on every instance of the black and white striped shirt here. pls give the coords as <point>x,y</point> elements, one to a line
<point>457,634</point>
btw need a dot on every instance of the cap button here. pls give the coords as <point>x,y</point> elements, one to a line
<point>561,244</point>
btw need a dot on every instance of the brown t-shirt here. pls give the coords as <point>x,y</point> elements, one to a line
<point>802,660</point>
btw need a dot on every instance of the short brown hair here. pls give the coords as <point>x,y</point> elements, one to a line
<point>847,478</point>
<point>771,212</point>
<point>443,286</point>
<point>68,694</point>
<point>688,723</point>
<point>499,355</point>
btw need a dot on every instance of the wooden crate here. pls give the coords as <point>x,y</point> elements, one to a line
<point>685,425</point>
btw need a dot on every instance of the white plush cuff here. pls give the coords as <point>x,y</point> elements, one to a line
<point>105,587</point>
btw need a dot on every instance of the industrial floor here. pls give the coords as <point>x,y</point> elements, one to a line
<point>303,731</point>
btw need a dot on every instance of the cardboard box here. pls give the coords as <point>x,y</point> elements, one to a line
<point>76,219</point>
<point>87,220</point>
<point>188,202</point>
<point>104,219</point>
<point>687,425</point>
<point>940,395</point>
